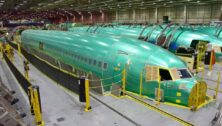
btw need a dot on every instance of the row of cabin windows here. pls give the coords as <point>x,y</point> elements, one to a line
<point>91,61</point>
<point>78,57</point>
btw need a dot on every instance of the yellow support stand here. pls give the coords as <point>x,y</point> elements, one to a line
<point>124,82</point>
<point>9,51</point>
<point>35,104</point>
<point>30,94</point>
<point>26,69</point>
<point>141,83</point>
<point>7,48</point>
<point>1,49</point>
<point>37,110</point>
<point>19,49</point>
<point>211,61</point>
<point>158,90</point>
<point>203,74</point>
<point>201,48</point>
<point>197,96</point>
<point>198,64</point>
<point>87,107</point>
<point>218,85</point>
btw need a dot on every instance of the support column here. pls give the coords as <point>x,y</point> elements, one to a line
<point>117,15</point>
<point>156,15</point>
<point>82,18</point>
<point>103,16</point>
<point>185,14</point>
<point>211,12</point>
<point>134,15</point>
<point>74,18</point>
<point>91,18</point>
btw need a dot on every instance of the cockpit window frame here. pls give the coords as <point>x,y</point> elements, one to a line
<point>171,74</point>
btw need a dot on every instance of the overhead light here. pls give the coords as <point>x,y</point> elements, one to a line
<point>198,1</point>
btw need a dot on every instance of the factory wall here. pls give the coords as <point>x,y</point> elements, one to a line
<point>180,14</point>
<point>94,17</point>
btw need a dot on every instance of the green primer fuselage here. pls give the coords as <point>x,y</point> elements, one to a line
<point>77,50</point>
<point>175,36</point>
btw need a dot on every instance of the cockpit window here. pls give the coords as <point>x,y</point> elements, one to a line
<point>165,75</point>
<point>184,73</point>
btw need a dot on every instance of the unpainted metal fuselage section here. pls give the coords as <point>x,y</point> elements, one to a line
<point>107,56</point>
<point>169,36</point>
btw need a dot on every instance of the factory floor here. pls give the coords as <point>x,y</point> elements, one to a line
<point>62,108</point>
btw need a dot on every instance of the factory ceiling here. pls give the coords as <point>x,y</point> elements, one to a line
<point>67,6</point>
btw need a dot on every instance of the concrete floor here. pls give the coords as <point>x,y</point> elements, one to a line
<point>62,108</point>
<point>10,81</point>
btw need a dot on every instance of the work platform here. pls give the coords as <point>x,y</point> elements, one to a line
<point>61,107</point>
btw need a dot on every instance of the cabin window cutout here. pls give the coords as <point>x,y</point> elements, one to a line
<point>105,65</point>
<point>41,45</point>
<point>90,61</point>
<point>94,62</point>
<point>151,73</point>
<point>100,64</point>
